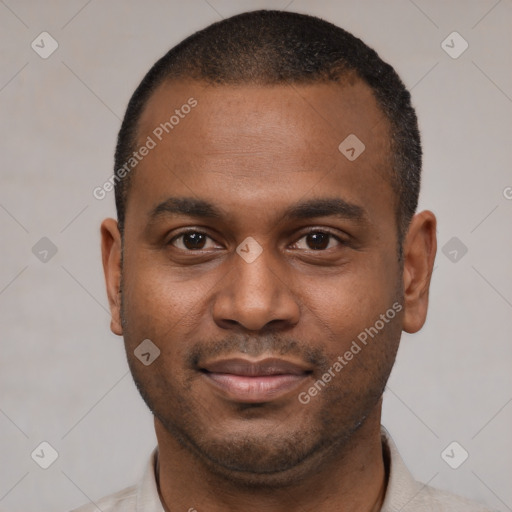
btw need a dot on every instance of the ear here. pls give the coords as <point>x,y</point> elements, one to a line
<point>420,248</point>
<point>111,256</point>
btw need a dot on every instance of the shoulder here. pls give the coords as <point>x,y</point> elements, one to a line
<point>122,501</point>
<point>142,496</point>
<point>405,494</point>
<point>432,499</point>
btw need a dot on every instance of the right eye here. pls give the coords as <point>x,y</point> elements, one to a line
<point>190,241</point>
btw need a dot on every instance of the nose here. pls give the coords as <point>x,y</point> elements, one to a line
<point>255,294</point>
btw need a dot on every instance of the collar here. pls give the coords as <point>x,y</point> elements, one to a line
<point>402,488</point>
<point>148,496</point>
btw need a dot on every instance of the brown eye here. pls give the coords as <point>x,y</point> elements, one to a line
<point>316,241</point>
<point>190,241</point>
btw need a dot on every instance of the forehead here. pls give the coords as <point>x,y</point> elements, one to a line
<point>256,118</point>
<point>239,143</point>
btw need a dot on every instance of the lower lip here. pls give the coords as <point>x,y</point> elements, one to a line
<point>259,389</point>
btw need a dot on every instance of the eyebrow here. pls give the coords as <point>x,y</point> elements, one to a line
<point>199,208</point>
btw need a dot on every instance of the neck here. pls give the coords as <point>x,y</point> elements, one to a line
<point>353,478</point>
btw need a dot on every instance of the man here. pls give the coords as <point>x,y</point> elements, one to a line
<point>266,258</point>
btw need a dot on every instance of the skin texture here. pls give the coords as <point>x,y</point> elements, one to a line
<point>253,152</point>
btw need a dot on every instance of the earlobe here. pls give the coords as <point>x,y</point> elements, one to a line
<point>111,257</point>
<point>420,249</point>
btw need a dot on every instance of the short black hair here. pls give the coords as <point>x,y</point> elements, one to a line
<point>270,47</point>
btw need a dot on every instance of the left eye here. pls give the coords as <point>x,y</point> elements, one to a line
<point>317,241</point>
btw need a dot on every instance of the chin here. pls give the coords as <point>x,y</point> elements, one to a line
<point>252,458</point>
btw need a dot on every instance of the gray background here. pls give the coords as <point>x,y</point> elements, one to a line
<point>63,374</point>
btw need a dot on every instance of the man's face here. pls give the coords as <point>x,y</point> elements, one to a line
<point>255,154</point>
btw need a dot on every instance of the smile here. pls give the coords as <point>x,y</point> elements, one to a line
<point>245,381</point>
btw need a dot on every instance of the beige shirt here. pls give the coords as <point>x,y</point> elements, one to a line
<point>403,493</point>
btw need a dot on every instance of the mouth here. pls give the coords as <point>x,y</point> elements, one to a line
<point>245,381</point>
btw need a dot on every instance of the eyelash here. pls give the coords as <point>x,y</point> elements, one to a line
<point>322,231</point>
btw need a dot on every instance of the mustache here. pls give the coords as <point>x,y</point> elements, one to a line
<point>255,346</point>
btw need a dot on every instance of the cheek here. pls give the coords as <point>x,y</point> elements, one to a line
<point>346,303</point>
<point>158,304</point>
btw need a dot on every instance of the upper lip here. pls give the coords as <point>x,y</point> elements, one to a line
<point>264,367</point>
